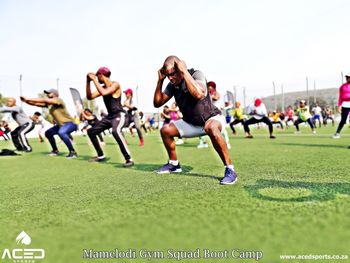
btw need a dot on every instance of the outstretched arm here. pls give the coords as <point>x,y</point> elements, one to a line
<point>40,102</point>
<point>160,98</point>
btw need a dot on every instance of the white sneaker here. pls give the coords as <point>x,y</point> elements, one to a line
<point>202,145</point>
<point>314,132</point>
<point>336,136</point>
<point>297,132</point>
<point>179,141</point>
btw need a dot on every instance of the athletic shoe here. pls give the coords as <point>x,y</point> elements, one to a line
<point>230,177</point>
<point>54,153</point>
<point>249,137</point>
<point>336,136</point>
<point>297,132</point>
<point>97,159</point>
<point>179,141</point>
<point>142,143</point>
<point>313,132</point>
<point>169,168</point>
<point>27,150</point>
<point>228,146</point>
<point>71,155</point>
<point>202,145</point>
<point>272,137</point>
<point>128,163</point>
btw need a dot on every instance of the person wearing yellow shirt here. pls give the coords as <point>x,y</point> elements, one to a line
<point>238,117</point>
<point>304,115</point>
<point>276,118</point>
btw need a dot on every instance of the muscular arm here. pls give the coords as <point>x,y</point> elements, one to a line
<point>90,95</point>
<point>160,98</point>
<point>196,88</point>
<point>108,90</point>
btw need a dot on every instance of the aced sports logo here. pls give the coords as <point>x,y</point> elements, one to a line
<point>23,254</point>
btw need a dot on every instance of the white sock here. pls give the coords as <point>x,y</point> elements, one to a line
<point>230,166</point>
<point>174,162</point>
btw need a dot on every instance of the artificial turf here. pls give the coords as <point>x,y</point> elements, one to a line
<point>292,197</point>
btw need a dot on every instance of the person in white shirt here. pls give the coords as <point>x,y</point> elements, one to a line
<point>317,115</point>
<point>258,113</point>
<point>44,125</point>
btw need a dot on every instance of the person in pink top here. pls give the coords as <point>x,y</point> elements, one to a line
<point>289,115</point>
<point>175,113</point>
<point>343,105</point>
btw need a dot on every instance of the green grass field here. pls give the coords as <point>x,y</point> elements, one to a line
<point>292,197</point>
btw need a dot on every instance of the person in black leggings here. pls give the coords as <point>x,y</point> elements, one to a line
<point>343,105</point>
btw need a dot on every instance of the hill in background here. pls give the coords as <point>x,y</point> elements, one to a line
<point>324,97</point>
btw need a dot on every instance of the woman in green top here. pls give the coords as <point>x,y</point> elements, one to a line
<point>304,115</point>
<point>237,115</point>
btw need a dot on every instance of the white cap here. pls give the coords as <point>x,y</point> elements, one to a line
<point>347,74</point>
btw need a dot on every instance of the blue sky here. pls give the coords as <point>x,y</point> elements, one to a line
<point>243,43</point>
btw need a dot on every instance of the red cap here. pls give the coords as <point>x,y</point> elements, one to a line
<point>104,71</point>
<point>257,102</point>
<point>212,84</point>
<point>128,91</point>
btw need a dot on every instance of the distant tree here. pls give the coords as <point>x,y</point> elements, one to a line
<point>90,104</point>
<point>2,100</point>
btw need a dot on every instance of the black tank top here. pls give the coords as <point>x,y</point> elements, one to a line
<point>194,111</point>
<point>113,105</point>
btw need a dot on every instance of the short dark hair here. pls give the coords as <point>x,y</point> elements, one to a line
<point>88,110</point>
<point>37,113</point>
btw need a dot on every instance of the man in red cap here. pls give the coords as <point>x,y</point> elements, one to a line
<point>258,113</point>
<point>133,119</point>
<point>111,94</point>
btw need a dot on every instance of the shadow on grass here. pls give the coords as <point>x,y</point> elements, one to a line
<point>148,167</point>
<point>314,145</point>
<point>186,170</point>
<point>319,191</point>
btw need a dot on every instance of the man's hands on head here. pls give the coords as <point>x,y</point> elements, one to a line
<point>161,75</point>
<point>180,66</point>
<point>91,76</point>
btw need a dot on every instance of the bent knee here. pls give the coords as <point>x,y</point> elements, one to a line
<point>166,130</point>
<point>212,129</point>
<point>62,134</point>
